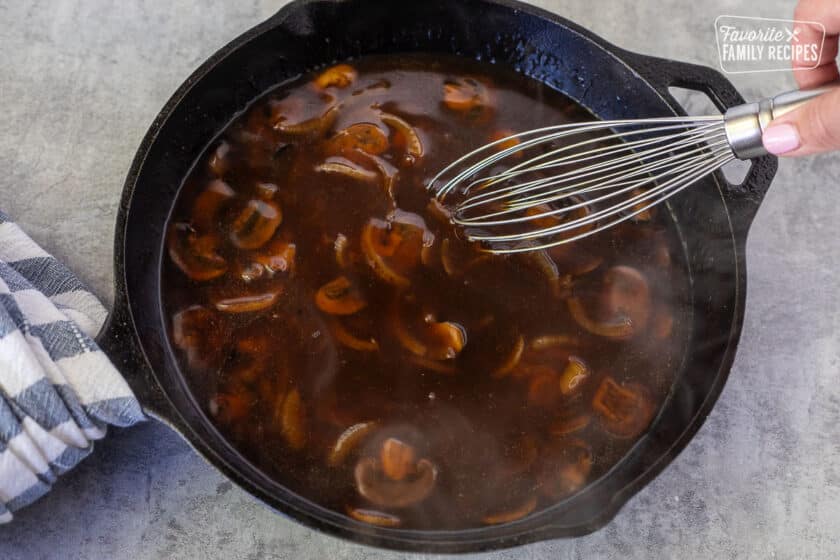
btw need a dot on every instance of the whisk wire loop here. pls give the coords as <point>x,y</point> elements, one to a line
<point>588,178</point>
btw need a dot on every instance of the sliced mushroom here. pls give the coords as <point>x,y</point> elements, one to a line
<point>551,341</point>
<point>277,398</point>
<point>457,258</point>
<point>445,339</point>
<point>348,441</point>
<point>364,137</point>
<point>558,285</point>
<point>392,249</point>
<point>387,172</point>
<point>465,95</point>
<point>544,389</point>
<point>189,326</point>
<point>339,76</point>
<point>231,407</point>
<point>346,168</point>
<point>582,211</point>
<point>626,293</point>
<point>346,255</point>
<point>308,129</point>
<point>424,336</point>
<point>512,360</point>
<point>256,224</point>
<point>506,139</point>
<point>510,515</point>
<point>384,492</point>
<point>195,254</point>
<point>397,459</point>
<point>624,410</point>
<point>248,303</point>
<point>277,256</point>
<point>205,210</point>
<point>621,328</point>
<point>430,255</point>
<point>571,420</point>
<point>346,338</point>
<point>447,259</point>
<point>266,191</point>
<point>249,272</point>
<point>642,214</point>
<point>389,176</point>
<point>374,517</point>
<point>555,354</point>
<point>566,470</point>
<point>198,332</point>
<point>406,138</point>
<point>439,211</point>
<point>542,216</point>
<point>406,338</point>
<point>575,258</point>
<point>294,420</point>
<point>218,162</point>
<point>545,216</point>
<point>574,375</point>
<point>339,297</point>
<point>379,237</point>
<point>341,247</point>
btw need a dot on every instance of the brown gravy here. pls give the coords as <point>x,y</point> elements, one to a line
<point>349,343</point>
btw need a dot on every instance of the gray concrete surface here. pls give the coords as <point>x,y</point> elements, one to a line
<point>80,81</point>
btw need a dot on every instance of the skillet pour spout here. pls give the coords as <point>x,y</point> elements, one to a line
<point>712,219</point>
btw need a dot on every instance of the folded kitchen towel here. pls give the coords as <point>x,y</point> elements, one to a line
<point>58,390</point>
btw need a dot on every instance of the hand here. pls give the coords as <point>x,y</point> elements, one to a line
<point>815,127</point>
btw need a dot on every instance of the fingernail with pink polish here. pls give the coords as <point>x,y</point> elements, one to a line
<point>781,139</point>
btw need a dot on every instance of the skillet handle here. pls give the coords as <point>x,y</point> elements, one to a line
<point>742,199</point>
<point>118,341</point>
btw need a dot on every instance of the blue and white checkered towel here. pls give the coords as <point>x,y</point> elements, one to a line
<point>58,391</point>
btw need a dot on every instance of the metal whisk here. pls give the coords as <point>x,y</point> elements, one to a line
<point>545,187</point>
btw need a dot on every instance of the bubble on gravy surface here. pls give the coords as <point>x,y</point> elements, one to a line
<point>349,343</point>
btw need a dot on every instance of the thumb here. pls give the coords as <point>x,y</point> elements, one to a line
<point>811,129</point>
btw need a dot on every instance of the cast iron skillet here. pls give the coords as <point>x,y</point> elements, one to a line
<point>713,219</point>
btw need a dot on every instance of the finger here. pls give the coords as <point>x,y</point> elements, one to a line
<point>810,73</point>
<point>811,129</point>
<point>818,76</point>
<point>812,13</point>
<point>808,33</point>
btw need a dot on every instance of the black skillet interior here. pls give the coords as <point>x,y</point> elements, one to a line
<point>713,218</point>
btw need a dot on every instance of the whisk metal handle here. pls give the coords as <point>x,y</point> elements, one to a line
<point>745,124</point>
